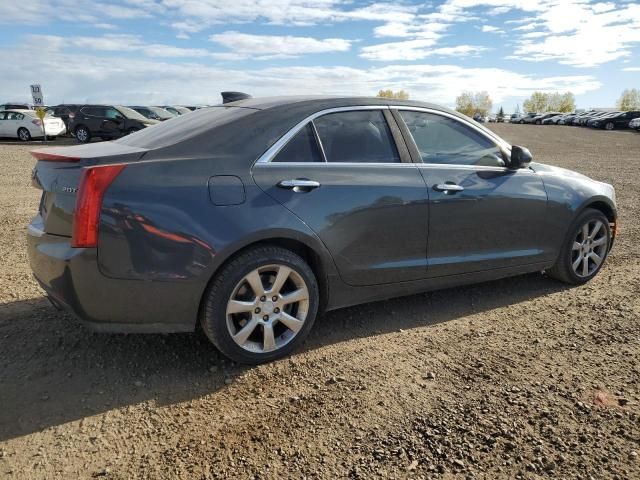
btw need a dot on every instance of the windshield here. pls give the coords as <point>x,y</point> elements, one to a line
<point>132,114</point>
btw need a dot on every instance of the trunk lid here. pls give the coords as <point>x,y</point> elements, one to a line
<point>57,173</point>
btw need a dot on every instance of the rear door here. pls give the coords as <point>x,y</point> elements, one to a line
<point>482,215</point>
<point>347,174</point>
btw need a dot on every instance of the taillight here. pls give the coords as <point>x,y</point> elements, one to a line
<point>44,156</point>
<point>37,122</point>
<point>93,184</point>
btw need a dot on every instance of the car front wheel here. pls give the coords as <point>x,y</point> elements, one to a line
<point>584,250</point>
<point>610,126</point>
<point>261,305</point>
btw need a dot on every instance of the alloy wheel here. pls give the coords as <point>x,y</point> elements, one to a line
<point>609,126</point>
<point>82,135</point>
<point>589,248</point>
<point>267,308</point>
<point>24,135</point>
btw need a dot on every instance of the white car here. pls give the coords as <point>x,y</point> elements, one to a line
<point>25,125</point>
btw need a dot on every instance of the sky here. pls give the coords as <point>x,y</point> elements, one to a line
<point>187,51</point>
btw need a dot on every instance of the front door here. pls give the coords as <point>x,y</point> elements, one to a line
<point>348,176</point>
<point>482,215</point>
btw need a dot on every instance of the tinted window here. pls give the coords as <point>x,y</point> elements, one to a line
<point>94,111</point>
<point>303,147</point>
<point>445,140</point>
<point>361,136</point>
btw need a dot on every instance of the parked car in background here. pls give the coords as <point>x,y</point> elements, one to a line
<point>154,113</point>
<point>619,120</point>
<point>635,124</point>
<point>582,121</point>
<point>16,106</point>
<point>528,118</point>
<point>515,118</point>
<point>251,218</point>
<point>478,117</point>
<point>65,112</point>
<point>25,125</point>
<point>553,120</point>
<point>106,122</point>
<point>176,110</point>
<point>537,120</point>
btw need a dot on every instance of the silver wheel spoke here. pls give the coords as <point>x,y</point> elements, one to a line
<point>585,231</point>
<point>600,241</point>
<point>242,336</point>
<point>596,229</point>
<point>292,323</point>
<point>253,279</point>
<point>281,277</point>
<point>236,306</point>
<point>269,340</point>
<point>576,246</point>
<point>585,266</point>
<point>597,259</point>
<point>576,264</point>
<point>295,296</point>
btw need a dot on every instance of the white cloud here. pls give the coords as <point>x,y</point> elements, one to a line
<point>419,49</point>
<point>631,69</point>
<point>150,81</point>
<point>268,46</point>
<point>491,29</point>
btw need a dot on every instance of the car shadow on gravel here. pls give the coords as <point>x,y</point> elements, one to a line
<point>53,371</point>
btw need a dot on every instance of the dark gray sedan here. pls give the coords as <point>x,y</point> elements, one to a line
<point>253,217</point>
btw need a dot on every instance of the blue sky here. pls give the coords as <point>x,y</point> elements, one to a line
<point>187,51</point>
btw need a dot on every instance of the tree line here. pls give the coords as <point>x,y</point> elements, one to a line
<point>472,103</point>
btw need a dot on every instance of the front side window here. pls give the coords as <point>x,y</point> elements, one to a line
<point>303,147</point>
<point>360,136</point>
<point>444,140</point>
<point>112,113</point>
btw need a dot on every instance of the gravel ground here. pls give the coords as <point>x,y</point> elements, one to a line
<point>520,378</point>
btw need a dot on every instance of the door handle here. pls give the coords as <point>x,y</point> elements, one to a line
<point>448,187</point>
<point>299,184</point>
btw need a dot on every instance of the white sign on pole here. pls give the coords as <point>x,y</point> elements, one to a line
<point>38,97</point>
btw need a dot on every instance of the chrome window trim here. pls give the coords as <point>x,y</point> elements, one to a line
<point>267,156</point>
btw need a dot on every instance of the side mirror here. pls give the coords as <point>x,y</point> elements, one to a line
<point>520,157</point>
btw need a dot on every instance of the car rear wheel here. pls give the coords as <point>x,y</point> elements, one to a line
<point>610,126</point>
<point>538,122</point>
<point>521,122</point>
<point>584,250</point>
<point>24,135</point>
<point>261,305</point>
<point>83,135</point>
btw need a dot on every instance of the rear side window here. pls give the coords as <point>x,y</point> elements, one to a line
<point>303,147</point>
<point>94,111</point>
<point>444,140</point>
<point>359,136</point>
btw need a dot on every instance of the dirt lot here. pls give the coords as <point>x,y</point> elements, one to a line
<point>521,378</point>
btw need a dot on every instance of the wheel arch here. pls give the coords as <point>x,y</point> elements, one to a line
<point>319,261</point>
<point>608,209</point>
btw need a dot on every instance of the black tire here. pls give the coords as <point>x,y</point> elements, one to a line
<point>213,317</point>
<point>563,269</point>
<point>23,134</point>
<point>83,135</point>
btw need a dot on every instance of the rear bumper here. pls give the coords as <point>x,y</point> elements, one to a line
<point>72,279</point>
